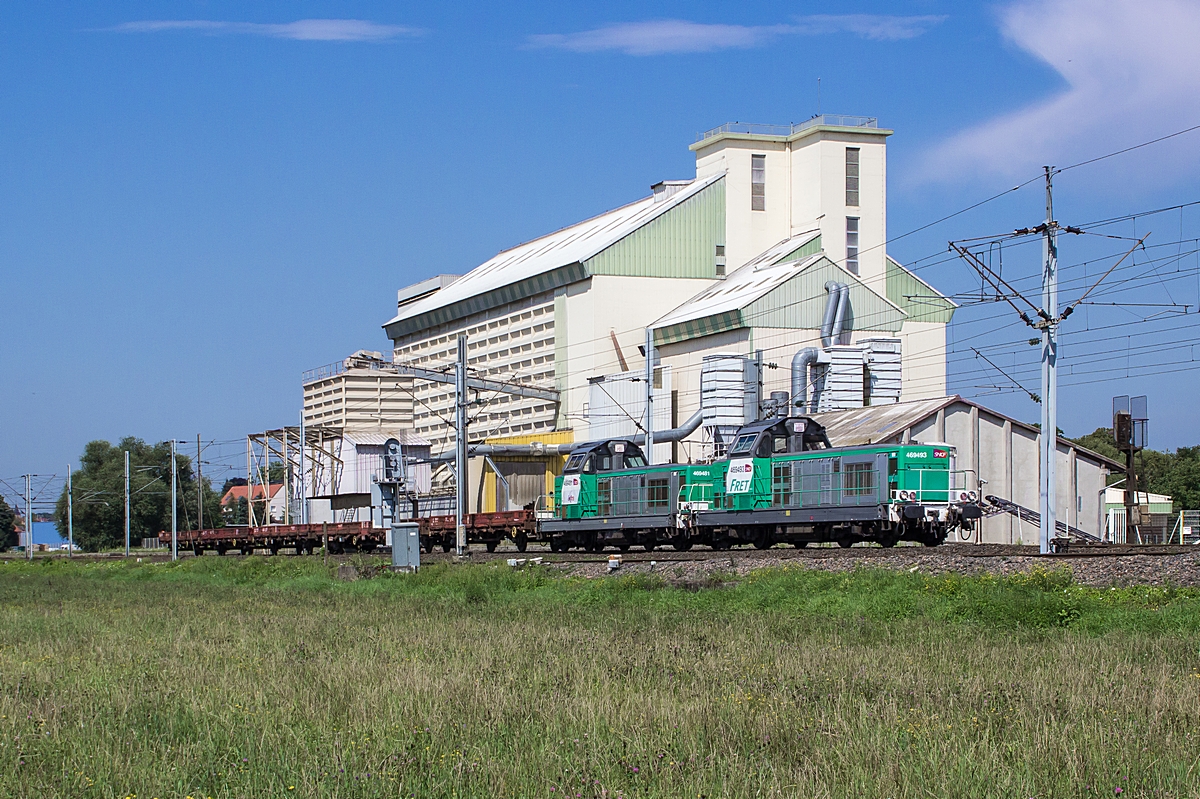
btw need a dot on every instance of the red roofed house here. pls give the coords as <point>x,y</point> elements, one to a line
<point>275,502</point>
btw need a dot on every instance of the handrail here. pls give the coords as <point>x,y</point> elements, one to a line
<point>759,129</point>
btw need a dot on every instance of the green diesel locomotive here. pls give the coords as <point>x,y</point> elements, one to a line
<point>780,482</point>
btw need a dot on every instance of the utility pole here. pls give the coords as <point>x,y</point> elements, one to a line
<point>303,468</point>
<point>1049,325</point>
<point>460,447</point>
<point>649,396</point>
<point>249,485</point>
<point>174,506</point>
<point>126,503</point>
<point>28,517</point>
<point>199,488</point>
<point>70,515</point>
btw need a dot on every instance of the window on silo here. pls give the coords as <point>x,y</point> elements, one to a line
<point>758,183</point>
<point>720,260</point>
<point>852,175</point>
<point>852,244</point>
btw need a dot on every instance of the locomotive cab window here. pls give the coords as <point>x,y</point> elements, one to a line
<point>743,444</point>
<point>779,445</point>
<point>634,460</point>
<point>575,462</point>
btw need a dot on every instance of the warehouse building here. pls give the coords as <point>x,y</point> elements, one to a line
<point>734,260</point>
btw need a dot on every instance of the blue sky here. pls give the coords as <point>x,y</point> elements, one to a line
<point>203,199</point>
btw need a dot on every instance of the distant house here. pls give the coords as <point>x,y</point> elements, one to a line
<point>275,500</point>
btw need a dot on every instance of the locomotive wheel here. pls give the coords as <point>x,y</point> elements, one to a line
<point>522,543</point>
<point>682,545</point>
<point>446,545</point>
<point>427,544</point>
<point>763,541</point>
<point>799,544</point>
<point>721,544</point>
<point>491,545</point>
<point>845,543</point>
<point>650,545</point>
<point>623,547</point>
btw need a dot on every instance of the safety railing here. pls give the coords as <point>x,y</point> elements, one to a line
<point>786,487</point>
<point>1187,527</point>
<point>758,129</point>
<point>938,486</point>
<point>544,507</point>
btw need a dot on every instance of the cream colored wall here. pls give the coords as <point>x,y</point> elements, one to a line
<point>686,359</point>
<point>609,303</point>
<point>924,360</point>
<point>512,340</point>
<point>805,188</point>
<point>819,197</point>
<point>749,232</point>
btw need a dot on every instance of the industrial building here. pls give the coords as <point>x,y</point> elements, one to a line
<point>763,285</point>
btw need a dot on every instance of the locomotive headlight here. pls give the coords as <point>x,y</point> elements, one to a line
<point>964,496</point>
<point>973,495</point>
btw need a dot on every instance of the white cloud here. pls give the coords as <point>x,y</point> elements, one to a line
<point>658,37</point>
<point>1132,71</point>
<point>321,30</point>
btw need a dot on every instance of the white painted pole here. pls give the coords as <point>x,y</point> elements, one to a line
<point>174,507</point>
<point>126,503</point>
<point>70,515</point>
<point>649,397</point>
<point>1049,437</point>
<point>28,517</point>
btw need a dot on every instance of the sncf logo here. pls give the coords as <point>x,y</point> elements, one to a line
<point>940,453</point>
<point>742,468</point>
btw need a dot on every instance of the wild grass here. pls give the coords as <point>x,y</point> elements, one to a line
<point>267,677</point>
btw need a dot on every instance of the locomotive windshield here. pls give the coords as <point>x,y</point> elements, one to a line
<point>575,462</point>
<point>744,443</point>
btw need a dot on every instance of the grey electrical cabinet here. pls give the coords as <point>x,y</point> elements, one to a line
<point>406,546</point>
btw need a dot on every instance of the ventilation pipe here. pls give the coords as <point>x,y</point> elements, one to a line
<point>832,287</point>
<point>835,313</point>
<point>801,362</point>
<point>839,322</point>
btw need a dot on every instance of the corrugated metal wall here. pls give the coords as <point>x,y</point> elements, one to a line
<point>800,303</point>
<point>921,302</point>
<point>680,243</point>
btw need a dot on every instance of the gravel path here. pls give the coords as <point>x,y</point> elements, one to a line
<point>1179,568</point>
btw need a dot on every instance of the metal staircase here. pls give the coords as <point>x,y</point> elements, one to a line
<point>994,506</point>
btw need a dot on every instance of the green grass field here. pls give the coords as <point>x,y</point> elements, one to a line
<point>266,677</point>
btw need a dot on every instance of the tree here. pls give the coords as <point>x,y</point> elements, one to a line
<point>8,526</point>
<point>1176,474</point>
<point>99,489</point>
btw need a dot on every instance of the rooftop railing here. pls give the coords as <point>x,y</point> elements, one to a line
<point>755,129</point>
<point>338,367</point>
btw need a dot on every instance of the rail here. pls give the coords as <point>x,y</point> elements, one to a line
<point>758,129</point>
